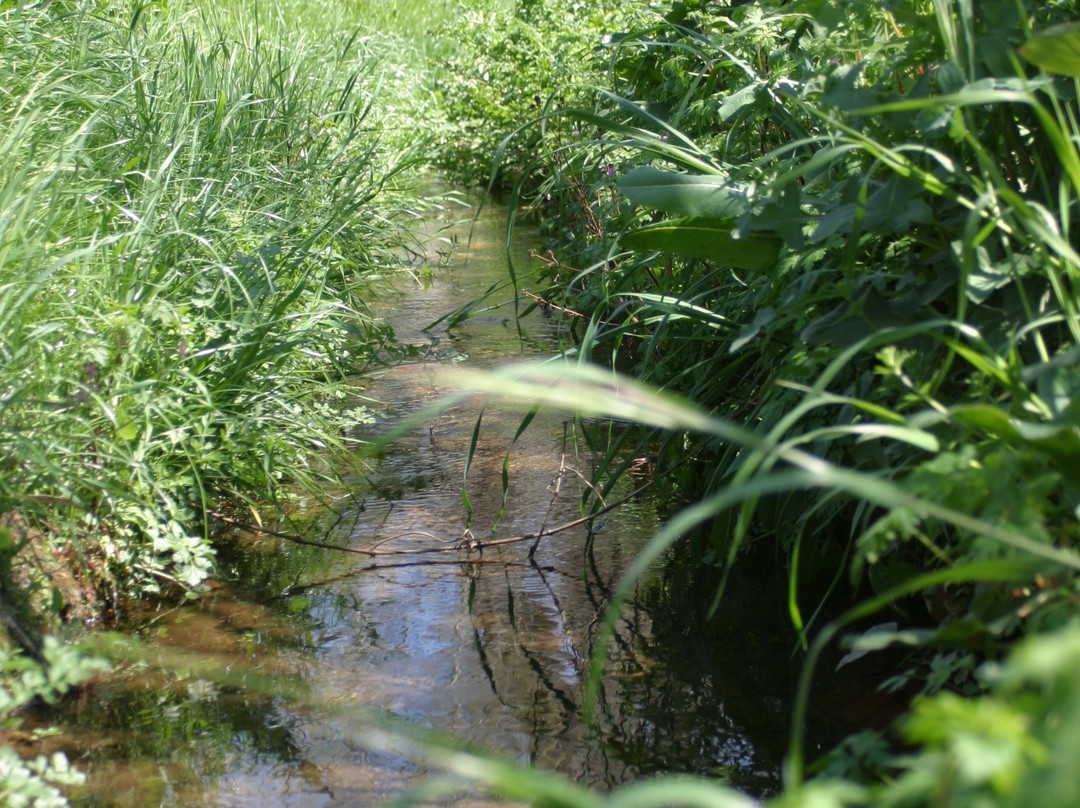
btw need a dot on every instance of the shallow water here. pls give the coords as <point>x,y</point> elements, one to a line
<point>488,647</point>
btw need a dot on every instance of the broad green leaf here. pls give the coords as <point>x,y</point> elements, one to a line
<point>710,239</point>
<point>734,103</point>
<point>949,77</point>
<point>1061,442</point>
<point>894,207</point>
<point>686,194</point>
<point>128,431</point>
<point>1055,50</point>
<point>761,319</point>
<point>1059,388</point>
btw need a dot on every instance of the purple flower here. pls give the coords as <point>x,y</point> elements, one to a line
<point>834,61</point>
<point>577,132</point>
<point>610,171</point>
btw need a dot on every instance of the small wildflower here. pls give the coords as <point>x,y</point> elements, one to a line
<point>834,61</point>
<point>577,132</point>
<point>610,171</point>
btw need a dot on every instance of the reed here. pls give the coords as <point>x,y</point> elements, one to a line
<point>190,207</point>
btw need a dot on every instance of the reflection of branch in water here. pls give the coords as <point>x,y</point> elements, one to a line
<point>478,644</point>
<point>558,608</point>
<point>485,665</point>
<point>542,677</point>
<point>449,545</point>
<point>625,644</point>
<point>553,696</point>
<point>290,591</point>
<point>534,663</point>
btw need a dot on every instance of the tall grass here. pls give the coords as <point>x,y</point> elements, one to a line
<point>193,200</point>
<point>189,209</point>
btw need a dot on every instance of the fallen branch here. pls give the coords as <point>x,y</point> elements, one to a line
<point>291,591</point>
<point>548,304</point>
<point>467,543</point>
<point>265,531</point>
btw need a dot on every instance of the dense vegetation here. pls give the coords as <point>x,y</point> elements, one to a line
<point>192,203</point>
<point>845,235</point>
<point>832,242</point>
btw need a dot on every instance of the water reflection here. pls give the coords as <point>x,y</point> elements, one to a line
<point>490,646</point>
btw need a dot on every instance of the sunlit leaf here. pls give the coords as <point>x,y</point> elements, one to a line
<point>701,195</point>
<point>1055,50</point>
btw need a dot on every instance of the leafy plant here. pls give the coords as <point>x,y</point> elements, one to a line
<point>845,234</point>
<point>22,680</point>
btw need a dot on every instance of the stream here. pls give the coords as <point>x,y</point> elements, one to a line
<point>489,648</point>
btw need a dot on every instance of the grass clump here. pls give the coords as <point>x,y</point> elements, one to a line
<point>189,212</point>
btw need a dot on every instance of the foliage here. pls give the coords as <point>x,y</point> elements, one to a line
<point>866,258</point>
<point>29,782</point>
<point>33,782</point>
<point>832,242</point>
<point>844,234</point>
<point>189,209</point>
<point>508,66</point>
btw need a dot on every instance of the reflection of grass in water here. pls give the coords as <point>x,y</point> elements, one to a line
<point>205,705</point>
<point>138,739</point>
<point>199,697</point>
<point>266,567</point>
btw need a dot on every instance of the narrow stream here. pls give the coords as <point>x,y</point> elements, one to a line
<point>489,648</point>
